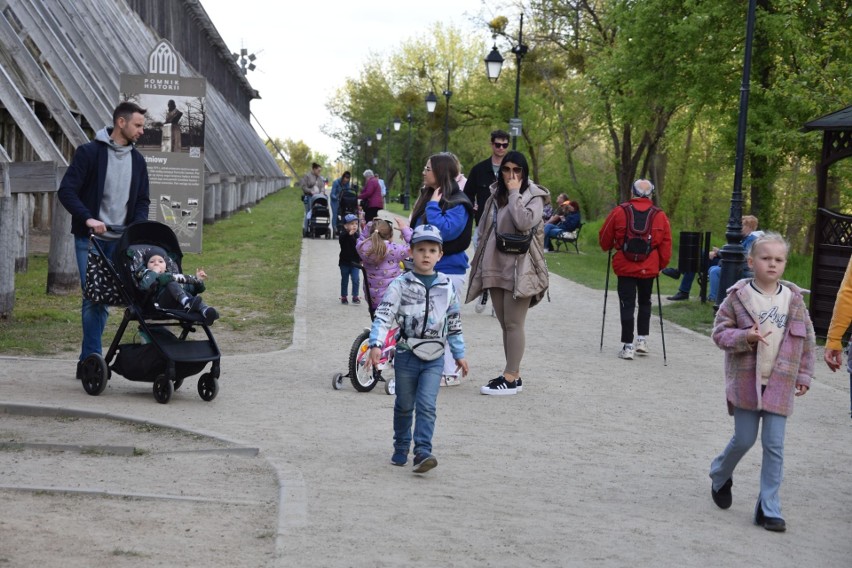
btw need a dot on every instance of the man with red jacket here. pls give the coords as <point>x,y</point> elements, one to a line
<point>642,237</point>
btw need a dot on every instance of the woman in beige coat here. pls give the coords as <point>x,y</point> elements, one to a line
<point>515,282</point>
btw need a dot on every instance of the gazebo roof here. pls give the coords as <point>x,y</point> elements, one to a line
<point>837,120</point>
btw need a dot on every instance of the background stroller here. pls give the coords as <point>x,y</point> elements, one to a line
<point>347,204</point>
<point>318,218</point>
<point>166,359</point>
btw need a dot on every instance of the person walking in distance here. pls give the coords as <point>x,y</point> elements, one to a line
<point>371,196</point>
<point>311,184</point>
<point>768,338</point>
<point>106,184</point>
<point>516,279</point>
<point>478,187</point>
<point>641,236</point>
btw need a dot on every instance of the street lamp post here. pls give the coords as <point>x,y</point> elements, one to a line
<point>397,123</point>
<point>493,66</point>
<point>407,200</point>
<point>432,103</point>
<point>733,253</point>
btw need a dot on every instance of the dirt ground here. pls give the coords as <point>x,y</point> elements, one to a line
<point>599,462</point>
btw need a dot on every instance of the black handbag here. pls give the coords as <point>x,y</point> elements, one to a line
<point>512,243</point>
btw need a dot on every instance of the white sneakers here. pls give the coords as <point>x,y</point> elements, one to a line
<point>450,380</point>
<point>629,349</point>
<point>480,305</point>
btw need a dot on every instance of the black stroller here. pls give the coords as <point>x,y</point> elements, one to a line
<point>318,218</point>
<point>165,359</point>
<point>348,204</point>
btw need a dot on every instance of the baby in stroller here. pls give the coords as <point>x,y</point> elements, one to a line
<point>173,290</point>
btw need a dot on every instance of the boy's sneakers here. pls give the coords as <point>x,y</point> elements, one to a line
<point>483,301</point>
<point>642,346</point>
<point>424,462</point>
<point>399,458</point>
<point>343,300</point>
<point>499,387</point>
<point>626,352</point>
<point>356,300</point>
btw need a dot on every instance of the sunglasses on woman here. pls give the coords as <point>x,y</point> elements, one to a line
<point>501,144</point>
<point>514,170</point>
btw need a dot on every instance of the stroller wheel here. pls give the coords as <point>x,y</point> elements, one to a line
<point>95,374</point>
<point>337,381</point>
<point>390,386</point>
<point>208,387</point>
<point>163,389</point>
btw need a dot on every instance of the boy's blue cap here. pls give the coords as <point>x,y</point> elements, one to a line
<point>349,217</point>
<point>426,233</point>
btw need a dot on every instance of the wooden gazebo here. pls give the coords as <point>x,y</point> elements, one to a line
<point>833,238</point>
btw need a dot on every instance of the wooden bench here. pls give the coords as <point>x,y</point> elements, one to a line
<point>568,238</point>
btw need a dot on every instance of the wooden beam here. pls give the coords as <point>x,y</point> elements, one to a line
<point>74,77</point>
<point>23,115</point>
<point>41,84</point>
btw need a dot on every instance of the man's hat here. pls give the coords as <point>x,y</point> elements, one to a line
<point>426,233</point>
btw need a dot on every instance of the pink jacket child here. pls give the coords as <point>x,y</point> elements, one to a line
<point>381,256</point>
<point>793,366</point>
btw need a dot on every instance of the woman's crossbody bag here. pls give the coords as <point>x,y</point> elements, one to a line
<point>512,243</point>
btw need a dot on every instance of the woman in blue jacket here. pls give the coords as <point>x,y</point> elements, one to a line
<point>443,205</point>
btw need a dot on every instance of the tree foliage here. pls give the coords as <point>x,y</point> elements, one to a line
<point>611,90</point>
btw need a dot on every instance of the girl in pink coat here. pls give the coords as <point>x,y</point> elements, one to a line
<point>768,339</point>
<point>381,256</point>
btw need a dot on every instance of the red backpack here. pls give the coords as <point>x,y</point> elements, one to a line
<point>637,241</point>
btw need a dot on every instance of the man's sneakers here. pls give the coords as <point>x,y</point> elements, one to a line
<point>399,458</point>
<point>626,352</point>
<point>500,387</point>
<point>671,272</point>
<point>679,297</point>
<point>642,346</point>
<point>483,301</point>
<point>424,462</point>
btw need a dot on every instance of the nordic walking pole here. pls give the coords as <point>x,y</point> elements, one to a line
<point>662,333</point>
<point>606,291</point>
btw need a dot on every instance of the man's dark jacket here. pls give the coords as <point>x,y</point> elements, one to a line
<point>477,186</point>
<point>82,188</point>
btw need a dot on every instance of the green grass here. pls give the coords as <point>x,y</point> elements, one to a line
<point>252,259</point>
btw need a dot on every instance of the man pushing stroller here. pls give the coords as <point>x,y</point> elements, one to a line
<point>173,290</point>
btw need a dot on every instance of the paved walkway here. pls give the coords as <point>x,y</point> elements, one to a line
<point>599,462</point>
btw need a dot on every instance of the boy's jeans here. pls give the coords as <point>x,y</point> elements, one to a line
<point>94,315</point>
<point>417,384</point>
<point>347,272</point>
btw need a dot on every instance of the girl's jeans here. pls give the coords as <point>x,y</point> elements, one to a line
<point>94,315</point>
<point>417,384</point>
<point>347,273</point>
<point>746,423</point>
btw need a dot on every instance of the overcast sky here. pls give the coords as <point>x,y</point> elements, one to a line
<point>306,50</point>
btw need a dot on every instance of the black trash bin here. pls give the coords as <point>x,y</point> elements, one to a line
<point>689,256</point>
